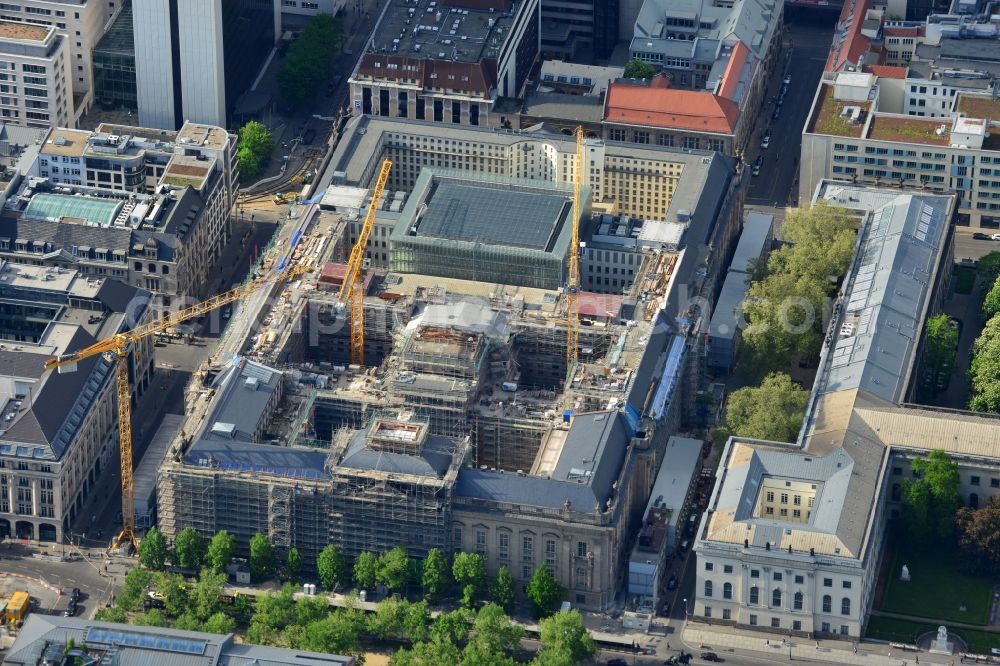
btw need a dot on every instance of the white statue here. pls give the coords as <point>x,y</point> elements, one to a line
<point>905,576</point>
<point>941,644</point>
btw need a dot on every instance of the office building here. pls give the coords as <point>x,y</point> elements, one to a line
<point>858,128</point>
<point>580,30</point>
<point>198,56</point>
<point>793,535</point>
<point>58,430</point>
<point>448,63</point>
<point>114,63</point>
<point>36,90</point>
<point>50,639</point>
<point>295,13</point>
<point>80,24</point>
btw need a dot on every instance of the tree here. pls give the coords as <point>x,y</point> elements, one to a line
<point>273,613</point>
<point>331,566</point>
<point>189,549</point>
<point>153,550</point>
<point>984,369</point>
<point>431,653</point>
<point>137,583</point>
<point>979,537</point>
<point>307,64</point>
<point>637,69</point>
<point>988,267</point>
<point>337,633</point>
<point>931,500</point>
<point>493,632</point>
<point>991,303</point>
<point>154,617</point>
<point>310,609</point>
<point>452,627</point>
<point>204,596</point>
<point>249,163</point>
<point>940,348</point>
<point>113,614</point>
<point>773,411</point>
<point>256,144</point>
<point>219,623</point>
<point>469,571</point>
<point>173,589</point>
<point>387,620</point>
<point>417,621</point>
<point>435,578</point>
<point>365,567</point>
<point>545,593</point>
<point>220,551</point>
<point>261,557</point>
<point>293,563</point>
<point>504,588</point>
<point>393,569</point>
<point>565,632</point>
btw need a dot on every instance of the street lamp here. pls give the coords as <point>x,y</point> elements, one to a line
<point>686,613</point>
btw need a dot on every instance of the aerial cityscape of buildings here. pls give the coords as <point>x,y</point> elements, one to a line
<point>496,282</point>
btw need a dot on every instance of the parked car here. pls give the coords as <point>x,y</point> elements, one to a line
<point>672,583</point>
<point>980,236</point>
<point>710,656</point>
<point>757,165</point>
<point>617,662</point>
<point>995,236</point>
<point>75,595</point>
<point>70,609</point>
<point>765,142</point>
<point>777,113</point>
<point>787,79</point>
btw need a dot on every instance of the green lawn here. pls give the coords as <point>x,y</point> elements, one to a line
<point>906,631</point>
<point>936,588</point>
<point>965,279</point>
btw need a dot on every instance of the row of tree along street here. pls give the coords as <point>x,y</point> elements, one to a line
<point>462,636</point>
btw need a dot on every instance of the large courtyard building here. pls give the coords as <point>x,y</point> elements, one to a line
<point>466,429</point>
<point>58,430</point>
<point>446,63</point>
<point>793,535</point>
<point>37,90</point>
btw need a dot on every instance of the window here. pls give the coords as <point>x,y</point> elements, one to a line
<point>708,588</point>
<point>481,542</point>
<point>770,496</point>
<point>753,620</point>
<point>845,606</point>
<point>776,598</point>
<point>726,568</point>
<point>844,630</point>
<point>827,603</point>
<point>799,579</point>
<point>708,611</point>
<point>754,595</point>
<point>727,614</point>
<point>974,480</point>
<point>825,627</point>
<point>797,601</point>
<point>827,582</point>
<point>581,549</point>
<point>776,622</point>
<point>709,566</point>
<point>777,576</point>
<point>994,483</point>
<point>846,584</point>
<point>784,498</point>
<point>755,573</point>
<point>727,591</point>
<point>796,625</point>
<point>797,500</point>
<point>896,471</point>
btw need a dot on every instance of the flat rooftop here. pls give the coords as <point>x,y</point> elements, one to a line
<point>908,129</point>
<point>185,170</point>
<point>493,214</point>
<point>204,136</point>
<point>23,31</point>
<point>978,106</point>
<point>455,30</point>
<point>92,211</point>
<point>68,142</point>
<point>828,115</point>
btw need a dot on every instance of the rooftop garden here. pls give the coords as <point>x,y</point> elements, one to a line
<point>909,130</point>
<point>828,118</point>
<point>976,106</point>
<point>182,181</point>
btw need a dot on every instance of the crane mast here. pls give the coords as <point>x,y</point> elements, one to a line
<point>116,350</point>
<point>352,293</point>
<point>573,272</point>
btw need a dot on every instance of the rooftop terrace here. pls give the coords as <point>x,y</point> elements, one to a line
<point>909,130</point>
<point>976,106</point>
<point>23,31</point>
<point>829,118</point>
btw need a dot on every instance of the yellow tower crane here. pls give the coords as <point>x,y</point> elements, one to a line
<point>116,349</point>
<point>352,288</point>
<point>573,277</point>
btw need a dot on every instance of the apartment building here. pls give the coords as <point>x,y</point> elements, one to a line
<point>81,23</point>
<point>858,129</point>
<point>34,76</point>
<point>58,431</point>
<point>446,63</point>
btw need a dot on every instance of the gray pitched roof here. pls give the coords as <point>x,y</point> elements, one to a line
<point>433,461</point>
<point>594,451</point>
<point>244,393</point>
<point>524,490</point>
<point>294,462</point>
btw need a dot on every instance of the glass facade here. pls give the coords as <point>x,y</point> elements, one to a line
<point>114,63</point>
<point>247,38</point>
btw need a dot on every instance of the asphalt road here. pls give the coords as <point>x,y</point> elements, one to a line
<point>808,36</point>
<point>968,247</point>
<point>95,585</point>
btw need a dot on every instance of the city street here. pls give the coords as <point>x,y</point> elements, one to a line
<point>808,35</point>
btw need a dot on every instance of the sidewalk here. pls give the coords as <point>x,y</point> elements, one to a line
<point>729,639</point>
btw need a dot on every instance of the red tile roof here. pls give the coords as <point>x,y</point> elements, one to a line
<point>848,49</point>
<point>903,31</point>
<point>656,105</point>
<point>886,71</point>
<point>731,78</point>
<point>604,306</point>
<point>476,77</point>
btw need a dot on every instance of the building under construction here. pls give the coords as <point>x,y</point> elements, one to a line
<point>465,430</point>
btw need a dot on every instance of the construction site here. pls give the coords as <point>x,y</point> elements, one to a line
<point>470,395</point>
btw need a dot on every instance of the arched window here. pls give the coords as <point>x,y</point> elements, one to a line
<point>797,601</point>
<point>827,603</point>
<point>727,591</point>
<point>754,595</point>
<point>776,598</point>
<point>708,588</point>
<point>845,606</point>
